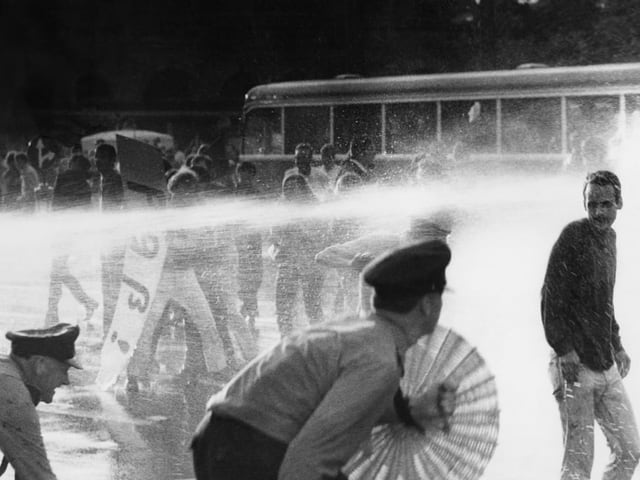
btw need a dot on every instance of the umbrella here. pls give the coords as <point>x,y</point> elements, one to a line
<point>462,449</point>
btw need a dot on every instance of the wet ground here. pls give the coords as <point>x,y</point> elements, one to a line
<point>500,249</point>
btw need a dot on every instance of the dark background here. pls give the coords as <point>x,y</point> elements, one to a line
<point>73,67</point>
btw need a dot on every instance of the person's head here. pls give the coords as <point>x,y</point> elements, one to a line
<point>21,160</point>
<point>328,156</point>
<point>296,188</point>
<point>45,355</point>
<point>183,186</point>
<point>361,149</point>
<point>245,173</point>
<point>231,153</point>
<point>105,158</point>
<point>602,196</point>
<point>303,156</point>
<point>10,160</point>
<point>408,285</point>
<point>80,163</point>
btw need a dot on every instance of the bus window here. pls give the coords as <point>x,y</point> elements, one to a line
<point>306,124</point>
<point>470,126</point>
<point>632,105</point>
<point>355,120</point>
<point>262,132</point>
<point>592,122</point>
<point>532,125</point>
<point>411,127</point>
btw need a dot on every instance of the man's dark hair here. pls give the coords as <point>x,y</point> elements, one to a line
<point>328,149</point>
<point>304,146</point>
<point>247,167</point>
<point>603,178</point>
<point>21,157</point>
<point>106,150</point>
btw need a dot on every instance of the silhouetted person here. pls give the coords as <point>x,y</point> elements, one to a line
<point>29,181</point>
<point>71,193</point>
<point>111,192</point>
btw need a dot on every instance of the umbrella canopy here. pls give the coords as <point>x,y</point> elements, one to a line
<point>463,449</point>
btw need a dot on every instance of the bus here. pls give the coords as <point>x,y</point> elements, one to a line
<point>541,117</point>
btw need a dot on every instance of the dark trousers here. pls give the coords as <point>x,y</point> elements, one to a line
<point>227,449</point>
<point>288,280</point>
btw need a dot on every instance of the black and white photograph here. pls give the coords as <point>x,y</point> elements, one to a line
<point>314,240</point>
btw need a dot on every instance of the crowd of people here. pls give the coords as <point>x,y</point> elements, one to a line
<point>302,408</point>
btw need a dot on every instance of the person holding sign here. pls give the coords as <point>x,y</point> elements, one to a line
<point>178,285</point>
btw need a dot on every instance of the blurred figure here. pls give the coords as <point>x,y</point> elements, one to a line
<point>111,187</point>
<point>38,364</point>
<point>345,229</point>
<point>11,182</point>
<point>72,187</point>
<point>293,249</point>
<point>360,159</point>
<point>71,193</point>
<point>111,199</point>
<point>29,181</point>
<point>356,254</point>
<point>588,360</point>
<point>314,175</point>
<point>180,294</point>
<point>249,247</point>
<point>328,163</point>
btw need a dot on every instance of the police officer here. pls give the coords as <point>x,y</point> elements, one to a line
<point>301,409</point>
<point>38,364</point>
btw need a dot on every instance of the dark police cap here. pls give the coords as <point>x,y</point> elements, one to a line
<point>411,271</point>
<point>56,342</point>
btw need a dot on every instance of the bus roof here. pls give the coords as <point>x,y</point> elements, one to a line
<point>593,79</point>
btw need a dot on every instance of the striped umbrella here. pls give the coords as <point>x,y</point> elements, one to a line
<point>461,450</point>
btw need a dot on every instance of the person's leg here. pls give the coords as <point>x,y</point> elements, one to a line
<point>286,293</point>
<point>58,268</point>
<point>576,404</point>
<point>145,348</point>
<point>213,296</point>
<point>74,286</point>
<point>112,268</point>
<point>614,414</point>
<point>224,309</point>
<point>312,281</point>
<point>209,342</point>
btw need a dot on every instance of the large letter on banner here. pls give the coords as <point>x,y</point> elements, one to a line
<point>143,264</point>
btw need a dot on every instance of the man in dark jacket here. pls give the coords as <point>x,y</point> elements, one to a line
<point>588,361</point>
